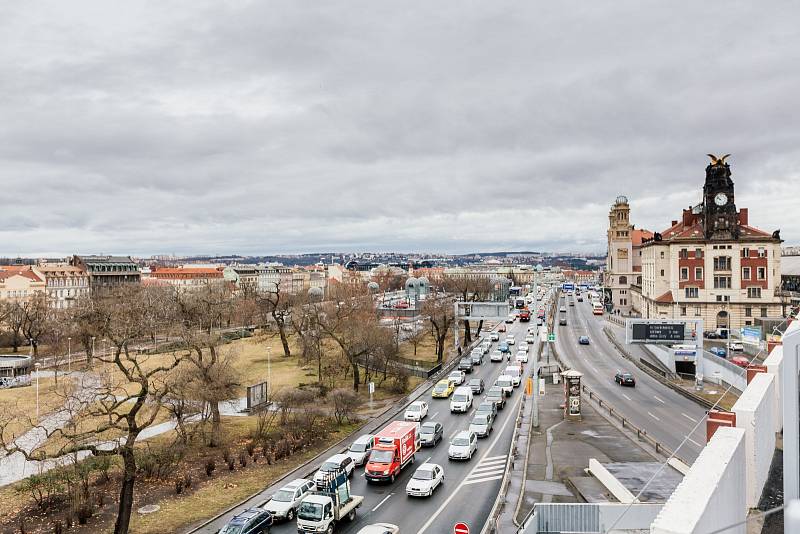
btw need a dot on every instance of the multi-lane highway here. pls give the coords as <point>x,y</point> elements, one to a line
<point>470,487</point>
<point>666,415</point>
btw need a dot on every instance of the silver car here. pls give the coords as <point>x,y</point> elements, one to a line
<point>360,449</point>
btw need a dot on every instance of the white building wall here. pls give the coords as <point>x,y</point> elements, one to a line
<point>755,415</point>
<point>774,364</point>
<point>713,494</point>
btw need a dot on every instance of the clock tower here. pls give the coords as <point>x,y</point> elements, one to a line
<point>720,220</point>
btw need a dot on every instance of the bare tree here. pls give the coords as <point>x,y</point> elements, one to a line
<point>440,312</point>
<point>13,316</point>
<point>37,319</point>
<point>125,403</point>
<point>276,304</point>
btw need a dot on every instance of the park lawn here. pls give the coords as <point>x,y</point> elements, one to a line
<point>225,488</point>
<point>426,348</point>
<point>20,403</point>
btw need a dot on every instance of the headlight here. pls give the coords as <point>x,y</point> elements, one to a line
<point>385,471</point>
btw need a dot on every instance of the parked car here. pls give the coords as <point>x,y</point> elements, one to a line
<point>360,449</point>
<point>463,446</point>
<point>416,411</point>
<point>284,504</point>
<point>497,356</point>
<point>494,336</point>
<point>253,520</point>
<point>477,386</point>
<point>430,433</point>
<point>380,528</point>
<point>482,425</point>
<point>425,480</point>
<point>624,379</point>
<point>719,351</point>
<point>741,361</point>
<point>496,396</point>
<point>736,346</point>
<point>443,389</point>
<point>487,406</point>
<point>583,340</point>
<point>457,377</point>
<point>337,462</point>
<point>465,364</point>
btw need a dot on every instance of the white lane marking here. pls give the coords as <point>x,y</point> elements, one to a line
<point>659,400</point>
<point>426,459</point>
<point>479,480</point>
<point>653,416</point>
<point>434,415</point>
<point>594,369</point>
<point>488,458</point>
<point>692,419</point>
<point>486,474</point>
<point>627,397</point>
<point>492,463</point>
<point>439,510</point>
<point>453,435</point>
<point>487,468</point>
<point>383,501</point>
<point>693,441</point>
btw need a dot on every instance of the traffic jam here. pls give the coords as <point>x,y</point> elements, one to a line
<point>324,502</point>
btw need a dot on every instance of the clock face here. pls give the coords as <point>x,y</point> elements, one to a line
<point>720,199</point>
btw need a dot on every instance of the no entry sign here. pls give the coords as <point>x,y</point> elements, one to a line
<point>460,528</point>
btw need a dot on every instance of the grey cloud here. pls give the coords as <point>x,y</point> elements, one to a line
<point>258,127</point>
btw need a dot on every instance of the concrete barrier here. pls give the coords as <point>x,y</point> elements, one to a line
<point>774,364</point>
<point>755,414</point>
<point>729,373</point>
<point>712,495</point>
<point>614,486</point>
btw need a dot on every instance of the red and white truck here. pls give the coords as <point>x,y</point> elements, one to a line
<point>393,449</point>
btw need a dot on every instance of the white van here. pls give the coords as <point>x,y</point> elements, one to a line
<point>461,400</point>
<point>515,372</point>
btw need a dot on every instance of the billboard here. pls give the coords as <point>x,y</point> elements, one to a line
<point>751,335</point>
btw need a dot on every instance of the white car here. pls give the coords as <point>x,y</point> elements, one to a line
<point>506,384</point>
<point>530,339</point>
<point>361,448</point>
<point>494,336</point>
<point>380,528</point>
<point>523,346</point>
<point>736,346</point>
<point>510,319</point>
<point>337,462</point>
<point>416,411</point>
<point>463,446</point>
<point>522,356</point>
<point>510,339</point>
<point>283,505</point>
<point>486,346</point>
<point>425,480</point>
<point>496,356</point>
<point>457,377</point>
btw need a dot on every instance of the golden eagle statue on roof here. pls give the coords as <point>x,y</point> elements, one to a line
<point>718,161</point>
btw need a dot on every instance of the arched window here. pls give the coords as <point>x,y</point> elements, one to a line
<point>623,279</point>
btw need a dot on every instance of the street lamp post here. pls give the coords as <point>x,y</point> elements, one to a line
<point>92,355</point>
<point>36,366</point>
<point>69,354</point>
<point>269,372</point>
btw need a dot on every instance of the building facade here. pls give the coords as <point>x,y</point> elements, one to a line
<point>19,283</point>
<point>187,277</point>
<point>711,264</point>
<point>64,283</point>
<point>623,260</point>
<point>108,271</point>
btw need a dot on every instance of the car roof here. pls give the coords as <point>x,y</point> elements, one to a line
<point>246,515</point>
<point>364,438</point>
<point>427,466</point>
<point>337,458</point>
<point>463,434</point>
<point>443,382</point>
<point>429,423</point>
<point>417,403</point>
<point>296,483</point>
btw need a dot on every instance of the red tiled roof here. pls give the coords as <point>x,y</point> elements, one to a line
<point>666,298</point>
<point>7,271</point>
<point>638,235</point>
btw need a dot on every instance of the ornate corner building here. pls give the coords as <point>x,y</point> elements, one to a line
<point>712,264</point>
<point>624,260</point>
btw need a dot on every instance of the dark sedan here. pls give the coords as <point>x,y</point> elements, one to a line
<point>496,396</point>
<point>476,384</point>
<point>625,379</point>
<point>583,340</point>
<point>254,520</point>
<point>430,433</point>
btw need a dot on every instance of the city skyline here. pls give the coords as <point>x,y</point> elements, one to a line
<point>277,128</point>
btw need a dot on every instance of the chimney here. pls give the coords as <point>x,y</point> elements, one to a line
<point>743,216</point>
<point>674,223</point>
<point>688,218</point>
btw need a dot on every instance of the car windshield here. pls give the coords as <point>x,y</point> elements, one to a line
<point>494,392</point>
<point>461,442</point>
<point>283,496</point>
<point>232,529</point>
<point>480,420</point>
<point>466,360</point>
<point>423,474</point>
<point>503,383</point>
<point>627,375</point>
<point>460,398</point>
<point>440,387</point>
<point>358,447</point>
<point>330,466</point>
<point>381,456</point>
<point>475,382</point>
<point>427,429</point>
<point>310,511</point>
<point>413,408</point>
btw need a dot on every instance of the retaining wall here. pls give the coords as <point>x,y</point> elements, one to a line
<point>729,373</point>
<point>774,364</point>
<point>712,495</point>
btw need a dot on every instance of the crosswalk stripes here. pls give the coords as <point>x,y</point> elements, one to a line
<point>490,468</point>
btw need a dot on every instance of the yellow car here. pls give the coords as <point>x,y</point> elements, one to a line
<point>442,389</point>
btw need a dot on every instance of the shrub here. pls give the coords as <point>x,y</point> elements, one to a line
<point>243,459</point>
<point>231,464</point>
<point>226,455</point>
<point>211,465</point>
<point>58,527</point>
<point>179,485</point>
<point>250,447</point>
<point>187,480</point>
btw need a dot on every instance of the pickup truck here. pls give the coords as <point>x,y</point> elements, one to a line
<point>324,509</point>
<point>393,449</point>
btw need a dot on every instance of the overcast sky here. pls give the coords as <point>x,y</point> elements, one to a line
<point>267,127</point>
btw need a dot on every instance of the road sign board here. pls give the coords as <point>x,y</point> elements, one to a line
<point>371,388</point>
<point>551,337</point>
<point>655,332</point>
<point>460,528</point>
